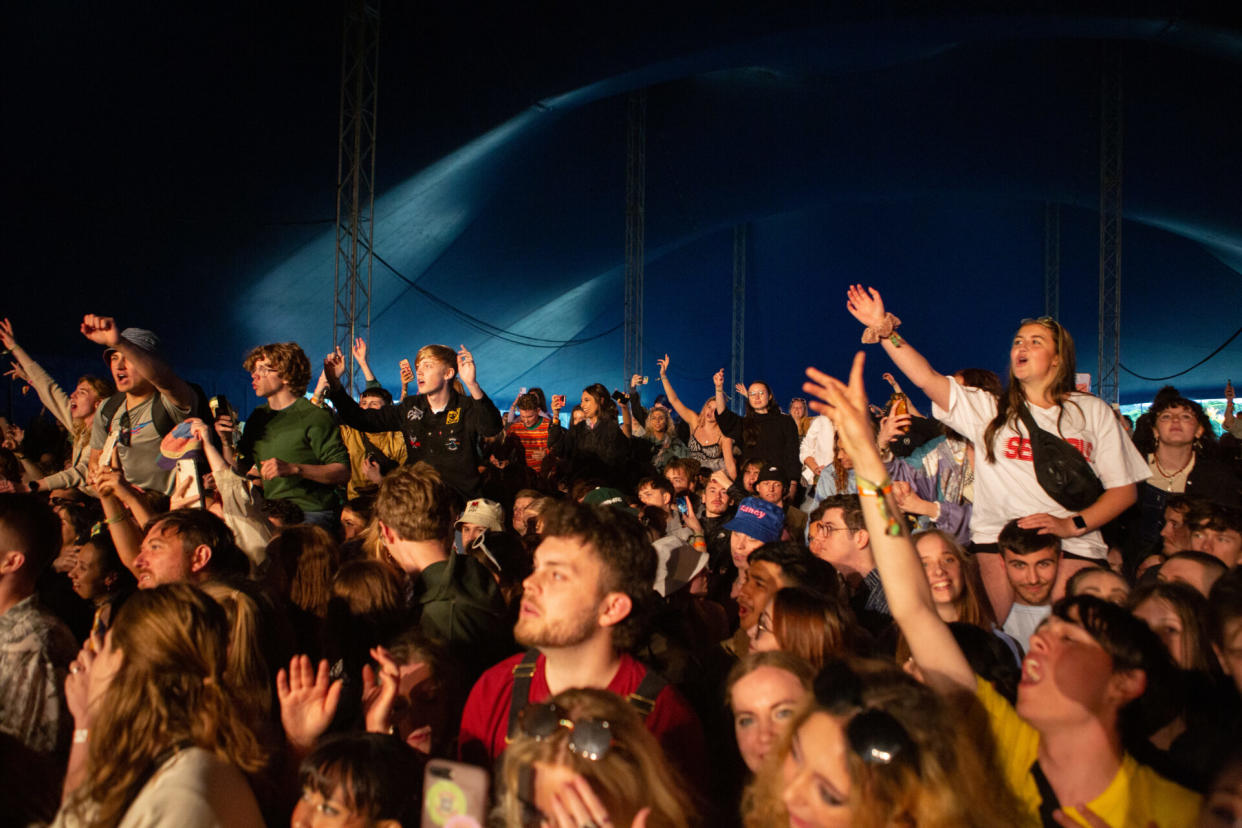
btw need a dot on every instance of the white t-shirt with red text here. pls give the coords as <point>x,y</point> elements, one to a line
<point>1008,489</point>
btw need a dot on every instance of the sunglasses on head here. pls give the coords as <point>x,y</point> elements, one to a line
<point>590,739</point>
<point>873,734</point>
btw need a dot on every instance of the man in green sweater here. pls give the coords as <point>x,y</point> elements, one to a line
<point>295,445</point>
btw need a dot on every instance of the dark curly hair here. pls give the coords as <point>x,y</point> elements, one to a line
<point>629,561</point>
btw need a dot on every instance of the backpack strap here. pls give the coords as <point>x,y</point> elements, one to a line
<point>110,407</point>
<point>519,696</point>
<point>649,689</point>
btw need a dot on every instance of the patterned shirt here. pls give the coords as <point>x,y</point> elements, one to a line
<point>534,441</point>
<point>35,650</point>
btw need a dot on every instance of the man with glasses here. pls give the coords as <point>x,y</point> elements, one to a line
<point>150,400</point>
<point>836,533</point>
<point>295,445</point>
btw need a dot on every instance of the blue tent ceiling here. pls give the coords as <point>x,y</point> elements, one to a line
<point>913,153</point>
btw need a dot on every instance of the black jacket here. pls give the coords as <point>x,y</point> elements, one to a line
<point>448,440</point>
<point>771,437</point>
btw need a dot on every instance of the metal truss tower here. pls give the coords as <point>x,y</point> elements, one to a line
<point>1111,132</point>
<point>737,362</point>
<point>1052,260</point>
<point>355,180</point>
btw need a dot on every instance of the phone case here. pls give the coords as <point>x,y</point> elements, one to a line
<point>454,795</point>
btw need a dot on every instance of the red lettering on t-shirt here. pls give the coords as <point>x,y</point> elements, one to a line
<point>1019,448</point>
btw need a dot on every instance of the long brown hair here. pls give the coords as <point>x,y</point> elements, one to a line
<point>1013,398</point>
<point>812,627</point>
<point>955,780</point>
<point>973,606</point>
<point>169,690</point>
<point>633,774</point>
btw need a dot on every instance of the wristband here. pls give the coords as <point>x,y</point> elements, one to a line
<point>115,520</point>
<point>80,735</point>
<point>874,333</point>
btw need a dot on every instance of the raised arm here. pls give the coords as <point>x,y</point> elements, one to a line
<point>909,597</point>
<point>104,331</point>
<point>691,417</point>
<point>867,307</point>
<point>360,358</point>
<point>50,394</point>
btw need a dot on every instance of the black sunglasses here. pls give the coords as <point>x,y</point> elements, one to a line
<point>125,429</point>
<point>589,738</point>
<point>874,734</point>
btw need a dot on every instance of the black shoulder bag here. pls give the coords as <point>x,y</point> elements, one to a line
<point>1060,468</point>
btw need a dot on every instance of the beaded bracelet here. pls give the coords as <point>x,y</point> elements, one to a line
<point>880,491</point>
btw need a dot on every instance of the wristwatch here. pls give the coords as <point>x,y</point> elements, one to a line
<point>1079,523</point>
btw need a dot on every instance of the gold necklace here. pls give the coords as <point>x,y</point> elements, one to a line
<point>1155,458</point>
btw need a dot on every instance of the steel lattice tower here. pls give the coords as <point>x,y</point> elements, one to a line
<point>355,180</point>
<point>1111,131</point>
<point>635,229</point>
<point>737,362</point>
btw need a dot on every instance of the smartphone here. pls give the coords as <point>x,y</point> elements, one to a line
<point>189,469</point>
<point>558,400</point>
<point>644,382</point>
<point>109,449</point>
<point>454,795</point>
<point>221,407</point>
<point>683,505</point>
<point>407,373</point>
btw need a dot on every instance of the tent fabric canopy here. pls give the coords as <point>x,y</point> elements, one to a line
<point>916,154</point>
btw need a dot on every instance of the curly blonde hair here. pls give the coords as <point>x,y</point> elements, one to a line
<point>633,774</point>
<point>170,689</point>
<point>955,780</point>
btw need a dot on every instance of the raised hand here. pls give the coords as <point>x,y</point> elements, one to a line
<point>892,425</point>
<point>891,380</point>
<point>637,379</point>
<point>360,349</point>
<point>102,330</point>
<point>718,379</point>
<point>334,365</point>
<point>741,389</point>
<point>663,363</point>
<point>307,701</point>
<point>865,305</point>
<point>224,425</point>
<point>377,697</point>
<point>465,367</point>
<point>6,334</point>
<point>1228,389</point>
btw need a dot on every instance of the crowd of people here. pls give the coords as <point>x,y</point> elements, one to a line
<point>1023,609</point>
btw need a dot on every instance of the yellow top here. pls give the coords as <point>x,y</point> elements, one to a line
<point>1136,797</point>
